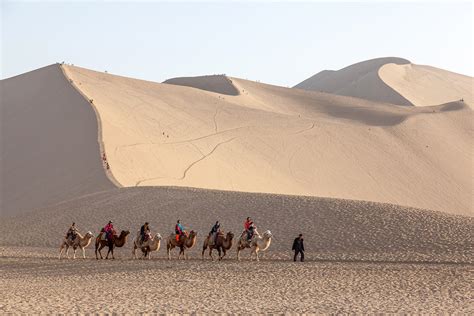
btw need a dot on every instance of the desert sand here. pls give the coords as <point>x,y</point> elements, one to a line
<point>361,256</point>
<point>49,142</point>
<point>394,80</point>
<point>39,283</point>
<point>425,85</point>
<point>381,190</point>
<point>279,140</point>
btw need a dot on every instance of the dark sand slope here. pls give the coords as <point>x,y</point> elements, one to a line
<point>213,83</point>
<point>359,80</point>
<point>334,229</point>
<point>49,143</point>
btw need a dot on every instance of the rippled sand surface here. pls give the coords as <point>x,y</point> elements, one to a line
<point>35,281</point>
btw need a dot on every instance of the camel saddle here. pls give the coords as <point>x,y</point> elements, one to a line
<point>213,237</point>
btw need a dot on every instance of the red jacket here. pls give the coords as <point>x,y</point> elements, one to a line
<point>247,224</point>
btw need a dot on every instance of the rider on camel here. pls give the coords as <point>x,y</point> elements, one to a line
<point>214,231</point>
<point>179,230</point>
<point>72,232</point>
<point>144,232</point>
<point>109,230</point>
<point>249,228</point>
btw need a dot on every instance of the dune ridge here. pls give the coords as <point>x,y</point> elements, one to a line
<point>425,85</point>
<point>49,142</point>
<point>359,80</point>
<point>213,83</point>
<point>394,80</point>
<point>279,140</point>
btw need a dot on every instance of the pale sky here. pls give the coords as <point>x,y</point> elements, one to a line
<point>279,43</point>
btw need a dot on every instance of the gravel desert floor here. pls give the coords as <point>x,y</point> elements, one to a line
<point>35,281</point>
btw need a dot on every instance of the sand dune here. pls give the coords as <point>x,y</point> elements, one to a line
<point>49,142</point>
<point>394,80</point>
<point>236,135</point>
<point>425,85</point>
<point>359,80</point>
<point>279,140</point>
<point>215,83</point>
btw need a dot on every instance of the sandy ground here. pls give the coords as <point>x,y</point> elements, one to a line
<point>334,229</point>
<point>279,140</point>
<point>34,281</point>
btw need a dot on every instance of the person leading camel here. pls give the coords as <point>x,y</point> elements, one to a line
<point>72,232</point>
<point>214,232</point>
<point>144,232</point>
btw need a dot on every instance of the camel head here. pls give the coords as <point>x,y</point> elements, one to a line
<point>158,236</point>
<point>192,234</point>
<point>230,235</point>
<point>89,235</point>
<point>268,234</point>
<point>124,233</point>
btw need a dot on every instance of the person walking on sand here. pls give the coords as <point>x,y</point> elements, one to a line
<point>298,247</point>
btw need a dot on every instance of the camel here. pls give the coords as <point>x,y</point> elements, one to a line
<point>117,241</point>
<point>79,242</point>
<point>185,241</point>
<point>152,244</point>
<point>222,243</point>
<point>256,244</point>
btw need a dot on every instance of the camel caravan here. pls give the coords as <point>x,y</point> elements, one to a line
<point>181,239</point>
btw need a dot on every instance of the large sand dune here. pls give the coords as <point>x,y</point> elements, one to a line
<point>279,140</point>
<point>49,142</point>
<point>425,85</point>
<point>394,80</point>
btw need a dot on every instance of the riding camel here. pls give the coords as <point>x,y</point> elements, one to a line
<point>116,241</point>
<point>185,241</point>
<point>222,242</point>
<point>79,242</point>
<point>152,244</point>
<point>256,244</point>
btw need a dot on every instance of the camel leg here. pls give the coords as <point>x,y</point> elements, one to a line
<point>210,253</point>
<point>111,250</point>
<point>61,251</point>
<point>256,254</point>
<point>168,250</point>
<point>100,251</point>
<point>74,252</point>
<point>67,251</point>
<point>224,253</point>
<point>134,252</point>
<point>203,250</point>
<point>83,253</point>
<point>251,254</point>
